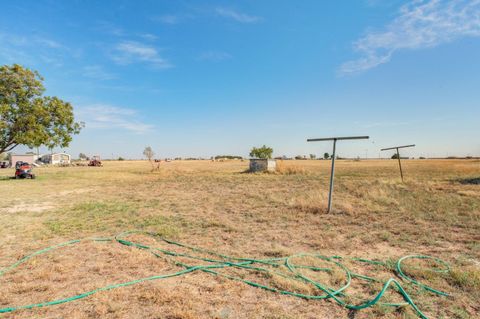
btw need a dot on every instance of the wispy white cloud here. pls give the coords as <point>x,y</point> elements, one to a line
<point>173,19</point>
<point>104,116</point>
<point>12,54</point>
<point>167,19</point>
<point>48,42</point>
<point>148,36</point>
<point>13,39</point>
<point>419,24</point>
<point>97,72</point>
<point>236,15</point>
<point>31,49</point>
<point>109,28</point>
<point>112,29</point>
<point>128,52</point>
<point>214,56</point>
<point>381,3</point>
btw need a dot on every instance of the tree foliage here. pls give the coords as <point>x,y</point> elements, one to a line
<point>29,118</point>
<point>261,152</point>
<point>148,153</point>
<point>326,155</point>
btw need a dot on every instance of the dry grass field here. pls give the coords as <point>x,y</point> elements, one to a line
<point>215,205</point>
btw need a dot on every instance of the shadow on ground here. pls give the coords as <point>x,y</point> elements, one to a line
<point>470,181</point>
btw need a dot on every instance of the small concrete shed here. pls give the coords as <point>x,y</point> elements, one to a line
<point>262,165</point>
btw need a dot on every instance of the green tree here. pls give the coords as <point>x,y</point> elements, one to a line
<point>261,152</point>
<point>313,156</point>
<point>326,155</point>
<point>29,118</point>
<point>82,156</point>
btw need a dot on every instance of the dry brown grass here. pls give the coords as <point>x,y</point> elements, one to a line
<point>214,205</point>
<point>288,168</point>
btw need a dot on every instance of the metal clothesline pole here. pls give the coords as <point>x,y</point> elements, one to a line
<point>398,155</point>
<point>332,173</point>
<point>330,192</point>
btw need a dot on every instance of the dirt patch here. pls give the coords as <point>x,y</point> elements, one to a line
<point>29,207</point>
<point>74,192</point>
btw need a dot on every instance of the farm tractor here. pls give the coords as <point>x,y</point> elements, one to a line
<point>95,161</point>
<point>23,170</point>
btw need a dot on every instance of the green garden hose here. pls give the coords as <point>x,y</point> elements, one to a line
<point>219,261</point>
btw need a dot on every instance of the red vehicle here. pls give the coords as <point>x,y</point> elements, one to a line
<point>23,170</point>
<point>95,161</point>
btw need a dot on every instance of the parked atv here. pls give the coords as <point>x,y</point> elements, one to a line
<point>95,161</point>
<point>23,170</point>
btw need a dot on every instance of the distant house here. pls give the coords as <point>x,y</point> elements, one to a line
<point>56,158</point>
<point>29,158</point>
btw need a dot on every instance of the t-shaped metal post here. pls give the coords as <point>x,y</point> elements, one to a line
<point>334,139</point>
<point>398,155</point>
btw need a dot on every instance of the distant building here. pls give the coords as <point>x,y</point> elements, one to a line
<point>56,158</point>
<point>29,158</point>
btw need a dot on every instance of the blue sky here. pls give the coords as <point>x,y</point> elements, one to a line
<point>201,78</point>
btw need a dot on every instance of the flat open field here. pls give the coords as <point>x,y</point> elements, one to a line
<point>215,205</point>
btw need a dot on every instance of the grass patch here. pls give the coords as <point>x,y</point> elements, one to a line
<point>467,278</point>
<point>289,169</point>
<point>101,217</point>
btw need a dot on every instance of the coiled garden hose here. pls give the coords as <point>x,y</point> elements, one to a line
<point>219,261</point>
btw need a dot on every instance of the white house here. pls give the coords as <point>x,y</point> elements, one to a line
<point>56,158</point>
